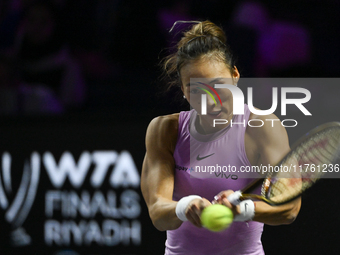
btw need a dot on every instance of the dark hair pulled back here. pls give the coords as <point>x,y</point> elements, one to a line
<point>202,40</point>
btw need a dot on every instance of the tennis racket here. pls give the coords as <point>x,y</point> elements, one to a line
<point>311,157</point>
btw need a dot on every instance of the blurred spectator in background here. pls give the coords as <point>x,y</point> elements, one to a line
<point>43,58</point>
<point>18,97</point>
<point>281,48</point>
<point>118,44</point>
<point>284,50</point>
<point>252,14</point>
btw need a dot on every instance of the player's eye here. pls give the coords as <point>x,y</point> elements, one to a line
<point>194,91</point>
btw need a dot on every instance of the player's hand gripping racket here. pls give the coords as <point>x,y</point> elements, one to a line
<point>311,157</point>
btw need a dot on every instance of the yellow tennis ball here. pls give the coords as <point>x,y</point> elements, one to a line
<point>216,217</point>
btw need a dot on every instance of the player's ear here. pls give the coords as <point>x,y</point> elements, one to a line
<point>182,88</point>
<point>235,75</point>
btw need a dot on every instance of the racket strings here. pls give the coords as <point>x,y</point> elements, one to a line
<point>311,158</point>
<point>319,152</point>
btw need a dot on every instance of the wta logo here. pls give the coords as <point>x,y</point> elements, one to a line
<point>18,208</point>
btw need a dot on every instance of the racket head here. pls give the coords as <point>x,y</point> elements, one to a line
<point>309,160</point>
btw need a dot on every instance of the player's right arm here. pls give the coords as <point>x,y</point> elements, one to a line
<point>157,180</point>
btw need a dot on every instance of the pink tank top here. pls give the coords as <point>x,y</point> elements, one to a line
<point>193,152</point>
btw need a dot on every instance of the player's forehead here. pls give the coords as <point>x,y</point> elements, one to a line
<point>209,70</point>
<point>209,81</point>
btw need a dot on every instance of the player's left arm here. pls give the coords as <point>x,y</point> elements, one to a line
<point>271,141</point>
<point>266,145</point>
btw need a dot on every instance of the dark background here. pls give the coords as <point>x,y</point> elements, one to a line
<point>117,46</point>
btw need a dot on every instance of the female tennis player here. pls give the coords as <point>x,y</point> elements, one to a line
<point>177,144</point>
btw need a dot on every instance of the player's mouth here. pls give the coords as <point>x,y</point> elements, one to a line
<point>215,114</point>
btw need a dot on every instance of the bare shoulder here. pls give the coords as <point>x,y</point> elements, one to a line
<point>264,127</point>
<point>162,131</point>
<point>165,121</point>
<point>266,138</point>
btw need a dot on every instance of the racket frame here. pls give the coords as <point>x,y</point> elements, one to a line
<point>266,181</point>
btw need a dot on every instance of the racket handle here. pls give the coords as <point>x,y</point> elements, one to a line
<point>235,197</point>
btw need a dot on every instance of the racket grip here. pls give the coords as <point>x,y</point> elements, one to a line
<point>235,197</point>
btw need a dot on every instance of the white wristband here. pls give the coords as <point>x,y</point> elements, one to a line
<point>234,198</point>
<point>182,205</point>
<point>247,208</point>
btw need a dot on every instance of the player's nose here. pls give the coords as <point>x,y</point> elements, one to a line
<point>213,105</point>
